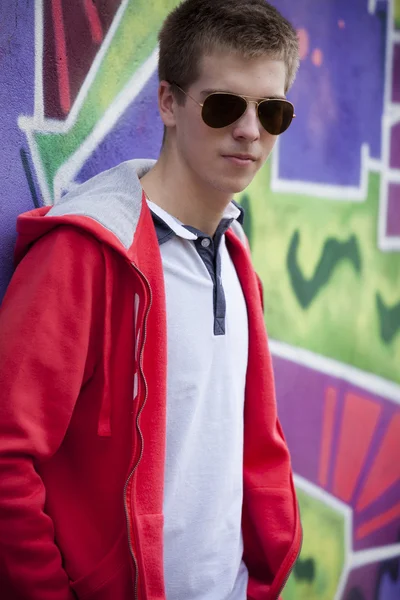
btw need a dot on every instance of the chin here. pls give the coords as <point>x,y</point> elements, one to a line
<point>235,186</point>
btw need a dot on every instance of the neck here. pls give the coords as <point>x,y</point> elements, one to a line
<point>174,187</point>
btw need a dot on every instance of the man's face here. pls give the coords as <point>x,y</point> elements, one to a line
<point>209,154</point>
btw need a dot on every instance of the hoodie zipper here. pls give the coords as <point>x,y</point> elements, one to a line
<point>136,596</point>
<point>141,440</point>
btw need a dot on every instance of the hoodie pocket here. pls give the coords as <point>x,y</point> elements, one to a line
<point>111,579</point>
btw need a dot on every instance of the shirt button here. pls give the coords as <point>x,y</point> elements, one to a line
<point>205,242</point>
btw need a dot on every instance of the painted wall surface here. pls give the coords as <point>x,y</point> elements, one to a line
<point>78,95</point>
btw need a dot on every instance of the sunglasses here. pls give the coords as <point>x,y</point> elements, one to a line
<point>221,109</point>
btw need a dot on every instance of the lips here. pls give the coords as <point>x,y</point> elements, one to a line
<point>240,160</point>
<point>241,156</point>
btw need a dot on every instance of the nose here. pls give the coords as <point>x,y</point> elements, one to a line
<point>248,126</point>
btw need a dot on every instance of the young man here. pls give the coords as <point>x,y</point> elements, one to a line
<point>140,451</point>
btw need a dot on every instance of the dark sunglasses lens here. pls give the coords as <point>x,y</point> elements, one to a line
<point>275,115</point>
<point>221,110</point>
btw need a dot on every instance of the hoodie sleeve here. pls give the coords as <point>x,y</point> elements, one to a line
<point>46,321</point>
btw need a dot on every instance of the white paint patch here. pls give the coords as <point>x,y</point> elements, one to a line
<point>39,37</point>
<point>373,555</point>
<point>394,176</point>
<point>322,495</point>
<point>340,193</point>
<point>374,165</point>
<point>367,381</point>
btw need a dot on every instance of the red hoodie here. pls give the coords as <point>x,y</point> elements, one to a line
<point>83,404</point>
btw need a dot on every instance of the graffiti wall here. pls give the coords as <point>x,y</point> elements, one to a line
<point>78,95</point>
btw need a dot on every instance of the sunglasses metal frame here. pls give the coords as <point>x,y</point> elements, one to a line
<point>247,99</point>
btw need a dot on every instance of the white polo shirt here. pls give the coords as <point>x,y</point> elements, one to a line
<point>207,337</point>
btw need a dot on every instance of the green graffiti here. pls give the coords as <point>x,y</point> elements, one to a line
<point>389,319</point>
<point>319,568</point>
<point>248,219</point>
<point>342,321</point>
<point>133,42</point>
<point>304,570</point>
<point>397,13</point>
<point>334,252</point>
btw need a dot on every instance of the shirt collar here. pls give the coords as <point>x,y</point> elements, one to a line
<point>174,224</point>
<point>234,211</point>
<point>166,224</point>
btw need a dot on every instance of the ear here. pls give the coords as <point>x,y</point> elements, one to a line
<point>166,104</point>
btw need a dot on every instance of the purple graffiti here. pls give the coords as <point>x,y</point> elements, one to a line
<point>339,93</point>
<point>16,98</point>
